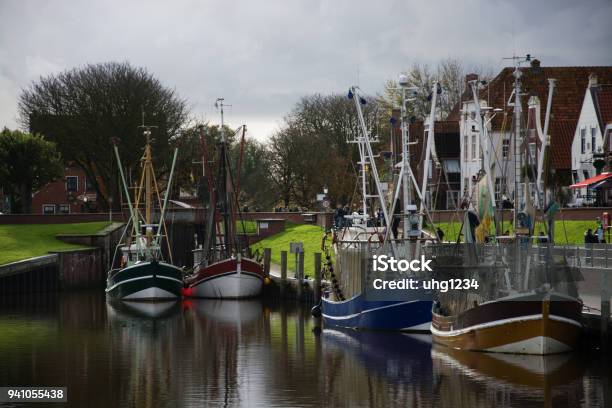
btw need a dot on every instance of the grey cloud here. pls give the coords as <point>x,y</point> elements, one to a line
<point>262,56</point>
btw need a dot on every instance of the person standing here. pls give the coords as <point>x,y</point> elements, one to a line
<point>599,234</point>
<point>589,238</point>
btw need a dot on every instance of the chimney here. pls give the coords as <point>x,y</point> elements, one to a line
<point>592,80</point>
<point>468,78</point>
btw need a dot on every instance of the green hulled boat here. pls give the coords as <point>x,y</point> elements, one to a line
<point>143,273</point>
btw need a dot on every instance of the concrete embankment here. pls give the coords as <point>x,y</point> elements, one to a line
<point>64,270</point>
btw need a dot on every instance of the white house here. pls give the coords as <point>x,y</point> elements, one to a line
<point>496,96</point>
<point>592,130</point>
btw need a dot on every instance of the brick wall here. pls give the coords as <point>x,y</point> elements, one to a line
<point>57,218</point>
<point>73,198</point>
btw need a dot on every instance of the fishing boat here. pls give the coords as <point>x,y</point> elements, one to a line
<point>527,300</point>
<point>143,273</point>
<point>222,268</point>
<point>350,303</point>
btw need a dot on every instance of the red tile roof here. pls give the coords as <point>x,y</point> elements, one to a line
<point>567,100</point>
<point>561,154</point>
<point>603,101</point>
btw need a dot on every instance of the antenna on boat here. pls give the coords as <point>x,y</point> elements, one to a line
<point>220,105</point>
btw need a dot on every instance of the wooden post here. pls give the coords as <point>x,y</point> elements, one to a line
<point>300,276</point>
<point>266,260</point>
<point>605,303</point>
<point>283,272</point>
<point>317,277</point>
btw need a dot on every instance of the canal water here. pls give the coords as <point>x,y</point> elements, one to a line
<point>209,353</point>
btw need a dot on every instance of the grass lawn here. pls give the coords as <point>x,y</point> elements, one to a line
<point>246,227</point>
<point>310,235</point>
<point>19,242</point>
<point>566,232</point>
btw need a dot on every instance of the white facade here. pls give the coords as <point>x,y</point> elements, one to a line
<point>588,139</point>
<point>471,153</point>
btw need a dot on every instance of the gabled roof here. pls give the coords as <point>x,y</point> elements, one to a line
<point>602,96</point>
<point>561,153</point>
<point>568,96</point>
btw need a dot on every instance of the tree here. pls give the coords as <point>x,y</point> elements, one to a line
<point>311,150</point>
<point>27,162</point>
<point>83,108</point>
<point>254,175</point>
<point>256,188</point>
<point>450,73</point>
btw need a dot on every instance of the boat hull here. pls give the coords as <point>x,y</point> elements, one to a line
<point>518,326</point>
<point>358,313</point>
<point>145,281</point>
<point>226,280</point>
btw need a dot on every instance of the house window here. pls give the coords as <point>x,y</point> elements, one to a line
<point>466,185</point>
<point>89,186</point>
<point>48,208</point>
<point>452,199</point>
<point>593,144</point>
<point>532,153</point>
<point>473,147</point>
<point>585,173</point>
<point>428,202</point>
<point>451,166</point>
<point>575,176</point>
<point>64,209</point>
<point>583,141</point>
<point>498,185</point>
<point>506,148</point>
<point>465,147</point>
<point>72,183</point>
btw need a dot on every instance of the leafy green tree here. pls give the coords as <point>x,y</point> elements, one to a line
<point>83,108</point>
<point>312,151</point>
<point>27,162</point>
<point>253,177</point>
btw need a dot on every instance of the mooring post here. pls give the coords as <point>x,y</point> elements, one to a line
<point>283,272</point>
<point>317,277</point>
<point>266,260</point>
<point>605,303</point>
<point>300,276</point>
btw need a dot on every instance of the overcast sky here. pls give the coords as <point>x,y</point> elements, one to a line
<point>263,55</point>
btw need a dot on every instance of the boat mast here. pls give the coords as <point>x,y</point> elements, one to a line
<point>518,138</point>
<point>224,192</point>
<point>366,156</point>
<point>429,151</point>
<point>148,167</point>
<point>407,196</point>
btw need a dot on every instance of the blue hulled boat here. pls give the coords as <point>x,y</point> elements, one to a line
<point>358,313</point>
<point>351,301</point>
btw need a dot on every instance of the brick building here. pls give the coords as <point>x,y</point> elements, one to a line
<point>73,193</point>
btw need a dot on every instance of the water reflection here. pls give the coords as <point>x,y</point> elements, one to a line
<point>254,353</point>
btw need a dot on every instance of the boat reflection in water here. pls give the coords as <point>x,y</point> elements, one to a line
<point>472,378</point>
<point>124,309</point>
<point>260,353</point>
<point>377,368</point>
